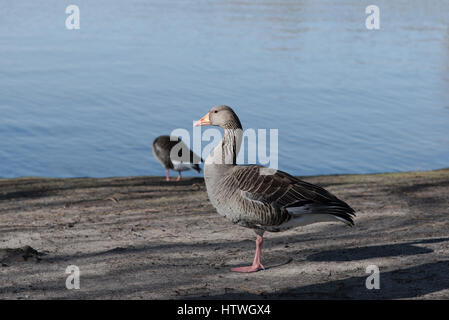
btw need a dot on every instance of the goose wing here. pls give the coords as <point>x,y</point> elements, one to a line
<point>280,190</point>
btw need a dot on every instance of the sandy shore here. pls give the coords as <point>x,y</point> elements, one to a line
<point>144,238</point>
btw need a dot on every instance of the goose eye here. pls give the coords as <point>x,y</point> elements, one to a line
<point>215,111</point>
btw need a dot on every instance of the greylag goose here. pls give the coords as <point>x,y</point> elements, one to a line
<point>257,197</point>
<point>163,146</point>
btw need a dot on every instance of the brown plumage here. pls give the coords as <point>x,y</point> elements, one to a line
<point>260,198</point>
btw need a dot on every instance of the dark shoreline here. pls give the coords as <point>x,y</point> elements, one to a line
<point>199,176</point>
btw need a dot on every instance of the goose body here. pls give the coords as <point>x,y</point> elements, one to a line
<point>173,154</point>
<point>259,198</point>
<point>274,202</point>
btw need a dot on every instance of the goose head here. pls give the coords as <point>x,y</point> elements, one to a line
<point>222,116</point>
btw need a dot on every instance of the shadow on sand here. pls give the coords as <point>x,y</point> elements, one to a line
<point>371,252</point>
<point>396,284</point>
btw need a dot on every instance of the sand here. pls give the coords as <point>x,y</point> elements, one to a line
<point>144,238</point>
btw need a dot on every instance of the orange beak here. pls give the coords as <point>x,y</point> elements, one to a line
<point>204,121</point>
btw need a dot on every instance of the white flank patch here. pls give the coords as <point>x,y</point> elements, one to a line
<point>181,166</point>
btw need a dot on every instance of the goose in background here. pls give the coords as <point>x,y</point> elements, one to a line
<point>260,198</point>
<point>173,154</point>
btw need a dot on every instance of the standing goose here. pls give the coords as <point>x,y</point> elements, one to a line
<point>259,198</point>
<point>173,154</point>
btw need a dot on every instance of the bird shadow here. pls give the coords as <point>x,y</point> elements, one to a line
<point>379,251</point>
<point>403,283</point>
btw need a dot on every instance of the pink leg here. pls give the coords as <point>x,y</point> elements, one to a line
<point>167,176</point>
<point>179,176</point>
<point>256,266</point>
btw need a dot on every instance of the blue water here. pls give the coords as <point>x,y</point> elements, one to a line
<point>345,99</point>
